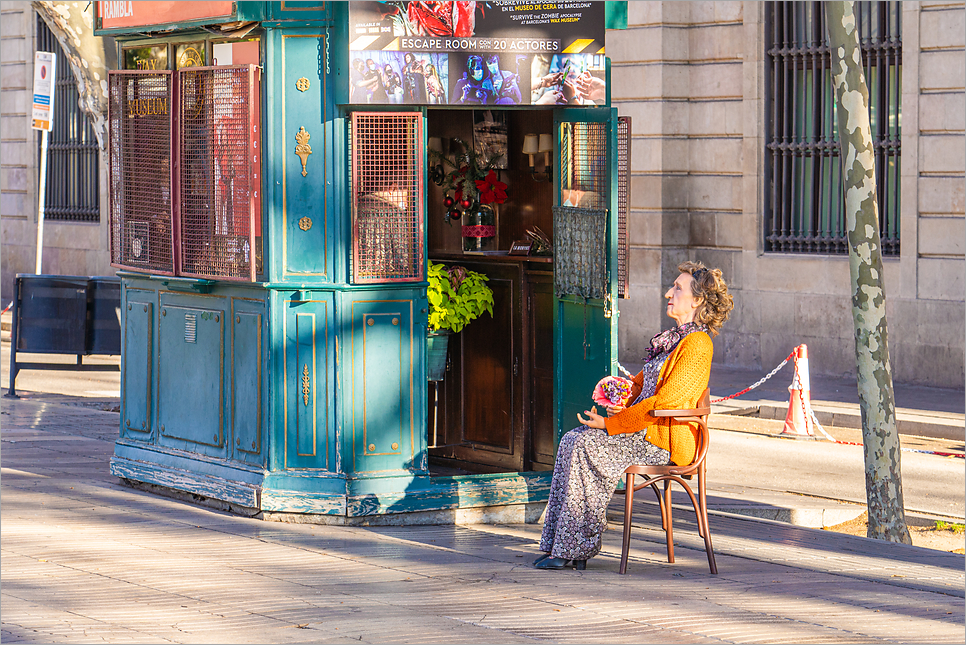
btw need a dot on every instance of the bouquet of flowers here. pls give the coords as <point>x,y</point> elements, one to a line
<point>612,390</point>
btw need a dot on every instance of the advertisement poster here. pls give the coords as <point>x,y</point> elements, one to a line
<point>477,53</point>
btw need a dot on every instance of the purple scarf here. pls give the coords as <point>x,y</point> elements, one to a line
<point>667,340</point>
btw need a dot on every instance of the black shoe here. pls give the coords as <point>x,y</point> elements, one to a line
<point>551,563</point>
<point>580,565</point>
<point>541,559</point>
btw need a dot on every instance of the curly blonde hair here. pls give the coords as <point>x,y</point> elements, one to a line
<point>711,292</point>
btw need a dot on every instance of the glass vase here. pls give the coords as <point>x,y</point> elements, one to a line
<point>480,230</point>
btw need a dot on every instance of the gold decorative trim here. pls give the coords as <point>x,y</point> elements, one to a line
<point>327,465</point>
<point>302,84</point>
<point>325,191</point>
<point>305,223</point>
<point>191,57</point>
<point>303,149</point>
<point>306,384</point>
<point>362,425</point>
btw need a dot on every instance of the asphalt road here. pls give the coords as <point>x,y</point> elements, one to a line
<point>815,468</point>
<point>930,483</point>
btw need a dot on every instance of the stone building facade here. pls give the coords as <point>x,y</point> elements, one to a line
<point>692,75</point>
<point>70,248</point>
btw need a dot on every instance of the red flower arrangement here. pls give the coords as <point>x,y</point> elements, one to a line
<point>492,190</point>
<point>471,182</point>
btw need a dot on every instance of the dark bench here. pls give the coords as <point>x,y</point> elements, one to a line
<point>63,314</point>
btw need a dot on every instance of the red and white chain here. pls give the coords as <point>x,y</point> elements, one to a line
<point>809,413</point>
<point>736,394</point>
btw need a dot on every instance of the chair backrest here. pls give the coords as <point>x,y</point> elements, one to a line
<point>699,416</point>
<point>704,409</point>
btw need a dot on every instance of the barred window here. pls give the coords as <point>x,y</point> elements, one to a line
<point>73,186</point>
<point>804,202</point>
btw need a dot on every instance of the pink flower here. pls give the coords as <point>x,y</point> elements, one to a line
<point>612,390</point>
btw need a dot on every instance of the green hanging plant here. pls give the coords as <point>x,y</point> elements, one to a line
<point>456,296</point>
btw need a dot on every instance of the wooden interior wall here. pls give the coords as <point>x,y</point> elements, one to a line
<point>529,201</point>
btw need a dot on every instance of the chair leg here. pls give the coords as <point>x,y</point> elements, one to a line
<point>669,529</point>
<point>628,507</point>
<point>660,503</point>
<point>703,500</point>
<point>710,550</point>
<point>701,506</point>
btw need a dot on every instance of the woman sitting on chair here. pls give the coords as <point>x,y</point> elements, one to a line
<point>592,458</point>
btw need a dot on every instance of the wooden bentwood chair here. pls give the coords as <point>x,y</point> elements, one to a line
<point>653,475</point>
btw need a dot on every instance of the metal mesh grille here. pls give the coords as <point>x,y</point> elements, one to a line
<point>139,154</point>
<point>583,172</point>
<point>387,197</point>
<point>219,174</point>
<point>623,188</point>
<point>580,252</point>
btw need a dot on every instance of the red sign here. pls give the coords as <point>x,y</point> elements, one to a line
<point>140,14</point>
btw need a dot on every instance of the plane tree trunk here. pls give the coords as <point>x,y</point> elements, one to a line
<point>880,436</point>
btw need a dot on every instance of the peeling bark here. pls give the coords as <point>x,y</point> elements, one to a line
<point>90,56</point>
<point>880,436</point>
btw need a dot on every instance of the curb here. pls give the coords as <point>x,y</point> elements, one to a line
<point>920,423</point>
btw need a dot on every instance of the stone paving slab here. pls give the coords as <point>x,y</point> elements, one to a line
<point>87,559</point>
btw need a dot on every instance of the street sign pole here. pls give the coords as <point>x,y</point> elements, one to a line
<point>42,198</point>
<point>45,75</point>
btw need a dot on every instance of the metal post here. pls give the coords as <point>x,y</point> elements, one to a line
<point>41,200</point>
<point>435,411</point>
<point>14,341</point>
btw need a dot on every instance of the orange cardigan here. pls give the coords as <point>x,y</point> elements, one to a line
<point>681,383</point>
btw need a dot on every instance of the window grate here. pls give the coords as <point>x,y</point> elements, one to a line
<point>73,154</point>
<point>804,200</point>
<point>387,197</point>
<point>219,178</point>
<point>139,156</point>
<point>583,172</point>
<point>580,223</point>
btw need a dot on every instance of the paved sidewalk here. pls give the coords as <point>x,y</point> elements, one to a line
<point>85,559</point>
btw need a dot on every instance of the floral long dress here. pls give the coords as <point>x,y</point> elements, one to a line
<point>588,467</point>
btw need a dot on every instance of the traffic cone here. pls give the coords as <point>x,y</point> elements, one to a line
<point>798,422</point>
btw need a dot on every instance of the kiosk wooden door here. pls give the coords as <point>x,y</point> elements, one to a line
<point>585,258</point>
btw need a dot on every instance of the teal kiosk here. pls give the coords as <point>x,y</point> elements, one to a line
<point>274,206</point>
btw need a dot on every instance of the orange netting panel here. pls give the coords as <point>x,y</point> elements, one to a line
<point>387,197</point>
<point>219,179</point>
<point>139,158</point>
